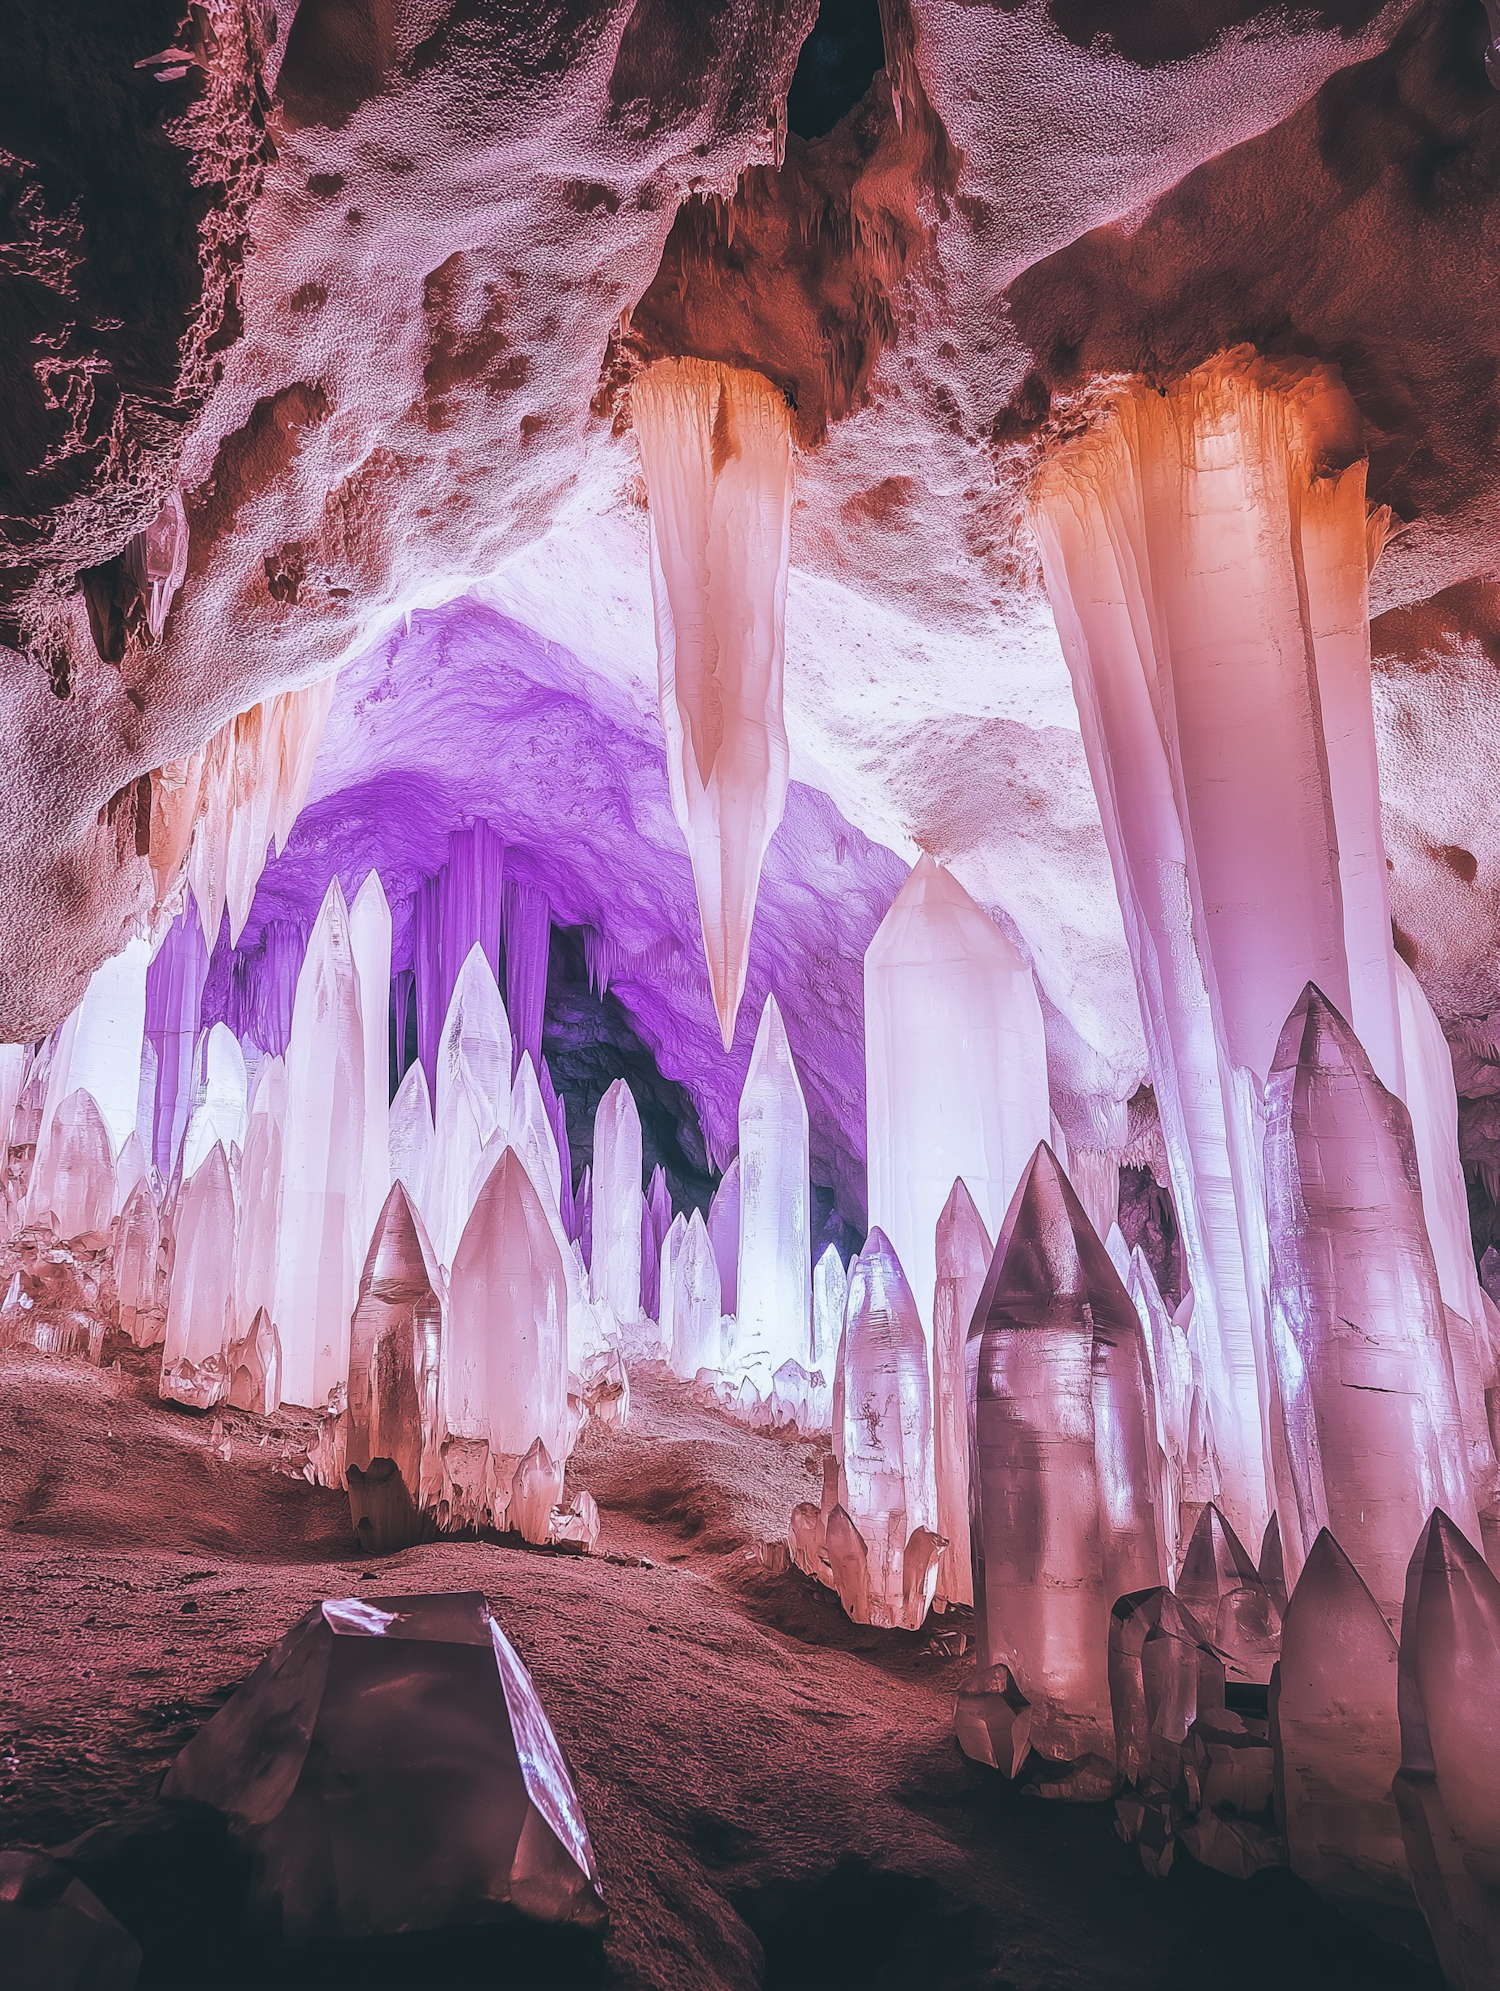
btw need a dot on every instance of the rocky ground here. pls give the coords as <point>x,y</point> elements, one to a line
<point>775,1795</point>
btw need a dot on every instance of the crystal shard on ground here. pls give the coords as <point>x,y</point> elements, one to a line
<point>388,1767</point>
<point>716,449</point>
<point>963,1252</point>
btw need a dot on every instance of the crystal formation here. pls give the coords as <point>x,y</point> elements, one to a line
<point>773,1319</point>
<point>963,1258</point>
<point>615,1265</point>
<point>200,1314</point>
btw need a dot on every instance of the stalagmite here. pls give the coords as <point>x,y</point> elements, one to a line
<point>531,1133</point>
<point>885,1444</point>
<point>254,1365</point>
<point>136,1261</point>
<point>174,993</point>
<point>773,1282</point>
<point>693,1337</point>
<point>1223,1589</point>
<point>1360,1342</point>
<point>74,1189</point>
<point>724,1234</point>
<point>473,1098</point>
<point>220,1114</point>
<point>1447,1790</point>
<point>260,1195</point>
<point>505,1358</point>
<point>322,1164</point>
<point>830,1285</point>
<point>615,1263</point>
<point>370,941</point>
<point>411,1135</point>
<point>1060,1462</point>
<point>1336,1734</point>
<point>1205,551</point>
<point>963,1252</point>
<point>397,1321</point>
<point>716,449</point>
<point>955,1064</point>
<point>200,1313</point>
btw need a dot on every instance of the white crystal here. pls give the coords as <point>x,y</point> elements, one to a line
<point>773,1317</point>
<point>615,1261</point>
<point>370,940</point>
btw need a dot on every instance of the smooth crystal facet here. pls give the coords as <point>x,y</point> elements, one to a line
<point>724,1234</point>
<point>472,1108</point>
<point>397,1321</point>
<point>200,1313</point>
<point>773,1319</point>
<point>963,1258</point>
<point>693,1335</point>
<point>615,1265</point>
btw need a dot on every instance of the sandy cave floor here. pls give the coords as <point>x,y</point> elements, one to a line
<point>775,1795</point>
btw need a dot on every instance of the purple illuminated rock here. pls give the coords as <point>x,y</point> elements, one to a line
<point>1223,1589</point>
<point>452,913</point>
<point>1359,1338</point>
<point>55,1934</point>
<point>388,1767</point>
<point>1336,1734</point>
<point>1447,1790</point>
<point>1060,1465</point>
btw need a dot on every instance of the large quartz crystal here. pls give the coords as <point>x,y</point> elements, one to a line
<point>260,1195</point>
<point>716,448</point>
<point>200,1314</point>
<point>1060,1467</point>
<point>395,1335</point>
<point>322,1164</point>
<point>1363,1368</point>
<point>410,1135</point>
<point>885,1444</point>
<point>615,1265</point>
<point>724,1234</point>
<point>55,1933</point>
<point>1336,1734</point>
<point>963,1258</point>
<point>73,1192</point>
<point>773,1319</point>
<point>388,1767</point>
<point>1447,1790</point>
<point>472,1108</point>
<point>1228,1597</point>
<point>140,1283</point>
<point>223,1105</point>
<point>691,1331</point>
<point>955,1067</point>
<point>1164,1672</point>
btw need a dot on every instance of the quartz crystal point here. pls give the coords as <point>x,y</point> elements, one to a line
<point>885,1445</point>
<point>532,1135</point>
<point>254,1366</point>
<point>716,449</point>
<point>1358,1333</point>
<point>74,1190</point>
<point>473,1098</point>
<point>1223,1589</point>
<point>1060,1462</point>
<point>370,940</point>
<point>221,1111</point>
<point>459,909</point>
<point>666,1274</point>
<point>1163,1673</point>
<point>773,1285</point>
<point>505,1359</point>
<point>693,1335</point>
<point>963,1258</point>
<point>260,1195</point>
<point>1336,1734</point>
<point>322,1164</point>
<point>1271,1564</point>
<point>174,996</point>
<point>536,1488</point>
<point>397,1321</point>
<point>656,1220</point>
<point>411,1135</point>
<point>830,1288</point>
<point>724,1235</point>
<point>1205,550</point>
<point>955,1067</point>
<point>615,1263</point>
<point>1447,1790</point>
<point>200,1312</point>
<point>404,1737</point>
<point>131,1167</point>
<point>55,1933</point>
<point>136,1259</point>
<point>98,1047</point>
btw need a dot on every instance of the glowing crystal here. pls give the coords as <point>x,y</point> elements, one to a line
<point>397,1321</point>
<point>963,1258</point>
<point>773,1319</point>
<point>136,1259</point>
<point>615,1263</point>
<point>473,1098</point>
<point>200,1313</point>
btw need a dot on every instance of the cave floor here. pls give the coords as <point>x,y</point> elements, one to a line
<point>774,1795</point>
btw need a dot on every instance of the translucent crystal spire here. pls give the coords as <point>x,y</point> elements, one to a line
<point>473,1098</point>
<point>131,1167</point>
<point>1447,1790</point>
<point>615,1264</point>
<point>531,1132</point>
<point>370,940</point>
<point>656,1220</point>
<point>1205,552</point>
<point>200,1313</point>
<point>260,1195</point>
<point>98,1048</point>
<point>411,1135</point>
<point>830,1285</point>
<point>1336,1734</point>
<point>716,450</point>
<point>963,1253</point>
<point>1171,1390</point>
<point>773,1318</point>
<point>1363,1367</point>
<point>458,910</point>
<point>220,1114</point>
<point>397,1321</point>
<point>885,1444</point>
<point>505,1366</point>
<point>1224,1590</point>
<point>136,1261</point>
<point>724,1234</point>
<point>322,1163</point>
<point>692,1335</point>
<point>74,1189</point>
<point>1060,1462</point>
<point>254,1365</point>
<point>955,1066</point>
